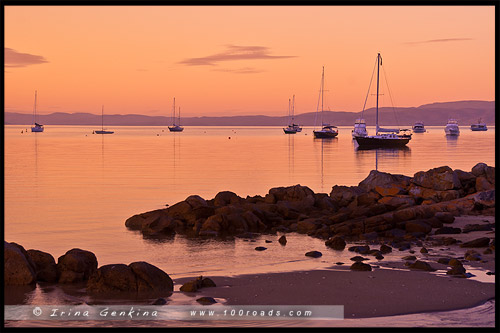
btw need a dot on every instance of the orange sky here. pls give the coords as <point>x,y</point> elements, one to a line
<point>238,60</point>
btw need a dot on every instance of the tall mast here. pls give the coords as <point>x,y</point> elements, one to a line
<point>179,116</point>
<point>379,60</point>
<point>34,110</point>
<point>102,118</point>
<point>322,90</point>
<point>289,111</point>
<point>293,109</point>
<point>173,117</point>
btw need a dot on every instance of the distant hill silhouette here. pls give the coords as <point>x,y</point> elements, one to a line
<point>466,112</point>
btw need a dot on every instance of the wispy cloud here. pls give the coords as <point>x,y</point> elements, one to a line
<point>442,40</point>
<point>234,52</point>
<point>19,59</point>
<point>244,70</point>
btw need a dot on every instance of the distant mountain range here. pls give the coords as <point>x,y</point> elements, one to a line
<point>466,112</point>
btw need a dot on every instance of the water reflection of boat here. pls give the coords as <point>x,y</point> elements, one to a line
<point>389,155</point>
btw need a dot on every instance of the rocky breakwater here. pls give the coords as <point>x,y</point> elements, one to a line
<point>77,266</point>
<point>381,206</point>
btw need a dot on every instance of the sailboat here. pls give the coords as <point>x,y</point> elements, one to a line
<point>174,127</point>
<point>327,131</point>
<point>292,127</point>
<point>103,131</point>
<point>384,137</point>
<point>36,127</point>
<point>359,128</point>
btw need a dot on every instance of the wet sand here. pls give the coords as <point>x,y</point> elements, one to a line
<point>380,292</point>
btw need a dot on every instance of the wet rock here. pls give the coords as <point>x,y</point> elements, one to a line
<point>359,258</point>
<point>424,250</point>
<point>468,181</point>
<point>447,230</point>
<point>138,278</point>
<point>45,265</point>
<point>473,257</point>
<point>449,241</point>
<point>479,242</point>
<point>314,254</point>
<point>443,261</point>
<point>360,266</point>
<point>150,278</point>
<point>409,258</point>
<point>477,227</point>
<point>457,271</point>
<point>445,217</point>
<point>260,248</point>
<point>336,243</point>
<point>206,300</point>
<point>268,241</point>
<point>282,240</point>
<point>112,278</point>
<point>379,256</point>
<point>207,283</point>
<point>76,265</point>
<point>421,265</point>
<point>487,251</point>
<point>18,268</point>
<point>159,301</point>
<point>384,249</point>
<point>339,263</point>
<point>454,262</point>
<point>189,287</point>
<point>362,249</point>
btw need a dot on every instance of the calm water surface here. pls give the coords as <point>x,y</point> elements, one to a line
<point>68,188</point>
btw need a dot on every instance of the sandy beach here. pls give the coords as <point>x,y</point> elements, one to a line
<point>389,289</point>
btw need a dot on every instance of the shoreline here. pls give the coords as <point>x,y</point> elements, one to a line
<point>364,294</point>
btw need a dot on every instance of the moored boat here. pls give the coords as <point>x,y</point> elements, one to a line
<point>327,131</point>
<point>384,137</point>
<point>480,126</point>
<point>452,128</point>
<point>419,127</point>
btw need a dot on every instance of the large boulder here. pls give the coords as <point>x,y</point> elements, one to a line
<point>344,195</point>
<point>385,183</point>
<point>468,181</point>
<point>76,265</point>
<point>225,198</point>
<point>485,199</point>
<point>45,265</point>
<point>440,179</point>
<point>483,170</point>
<point>138,278</point>
<point>150,278</point>
<point>112,278</point>
<point>18,268</point>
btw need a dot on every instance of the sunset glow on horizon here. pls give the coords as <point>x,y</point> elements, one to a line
<point>242,60</point>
